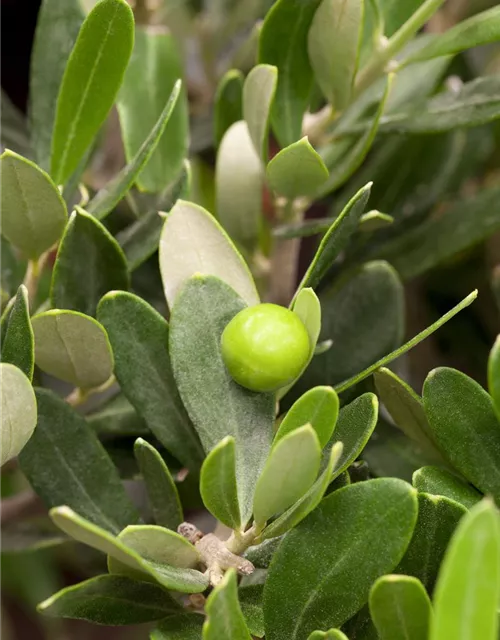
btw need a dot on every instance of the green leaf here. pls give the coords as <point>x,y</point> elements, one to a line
<point>90,83</point>
<point>318,407</point>
<point>160,486</point>
<point>409,345</point>
<point>463,224</point>
<point>440,482</point>
<point>81,472</point>
<point>260,555</point>
<point>283,43</point>
<point>72,347</point>
<point>117,418</point>
<point>250,598</point>
<point>289,472</point>
<point>150,78</point>
<point>355,425</point>
<point>406,409</point>
<point>33,211</point>
<point>468,588</point>
<point>192,242</point>
<point>332,634</point>
<point>19,411</point>
<point>89,264</point>
<point>259,91</point>
<point>436,522</point>
<point>238,181</point>
<point>110,195</point>
<point>57,28</point>
<point>125,559</point>
<point>308,502</point>
<point>336,238</point>
<point>139,338</point>
<point>228,103</point>
<point>464,423</point>
<point>18,344</point>
<point>493,375</point>
<point>296,170</point>
<point>400,608</point>
<point>218,483</point>
<point>335,555</point>
<point>350,160</point>
<point>186,626</point>
<point>480,29</point>
<point>217,405</point>
<point>307,306</point>
<point>333,45</point>
<point>225,620</point>
<point>111,600</point>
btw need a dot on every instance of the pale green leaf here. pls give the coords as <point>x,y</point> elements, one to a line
<point>258,96</point>
<point>493,375</point>
<point>228,107</point>
<point>224,618</point>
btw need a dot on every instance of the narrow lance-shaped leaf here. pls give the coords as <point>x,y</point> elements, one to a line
<point>139,337</point>
<point>57,28</point>
<point>193,242</point>
<point>468,587</point>
<point>494,375</point>
<point>90,83</point>
<point>297,170</point>
<point>82,474</point>
<point>258,97</point>
<point>440,482</point>
<point>216,404</point>
<point>72,347</point>
<point>335,555</point>
<point>289,472</point>
<point>33,211</point>
<point>154,69</point>
<point>19,411</point>
<point>111,600</point>
<point>89,263</point>
<point>218,483</point>
<point>228,103</point>
<point>160,486</point>
<point>286,49</point>
<point>400,608</point>
<point>110,195</point>
<point>18,344</point>
<point>334,39</point>
<point>225,620</point>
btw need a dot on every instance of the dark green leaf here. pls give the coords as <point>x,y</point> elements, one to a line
<point>33,211</point>
<point>111,600</point>
<point>57,28</point>
<point>110,195</point>
<point>261,555</point>
<point>117,418</point>
<point>468,588</point>
<point>228,103</point>
<point>400,608</point>
<point>225,620</point>
<point>283,43</point>
<point>464,423</point>
<point>139,338</point>
<point>154,69</point>
<point>162,492</point>
<point>218,483</point>
<point>18,344</point>
<point>186,626</point>
<point>258,97</point>
<point>318,407</point>
<point>90,83</point>
<point>72,347</point>
<point>250,598</point>
<point>493,375</point>
<point>336,238</point>
<point>89,264</point>
<point>66,464</point>
<point>440,482</point>
<point>436,522</point>
<point>216,404</point>
<point>18,411</point>
<point>297,170</point>
<point>335,555</point>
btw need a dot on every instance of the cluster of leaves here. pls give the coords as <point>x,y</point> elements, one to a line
<point>332,82</point>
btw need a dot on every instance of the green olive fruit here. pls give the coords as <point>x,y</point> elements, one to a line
<point>265,347</point>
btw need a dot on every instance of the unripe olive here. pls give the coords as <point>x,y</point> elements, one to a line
<point>265,347</point>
